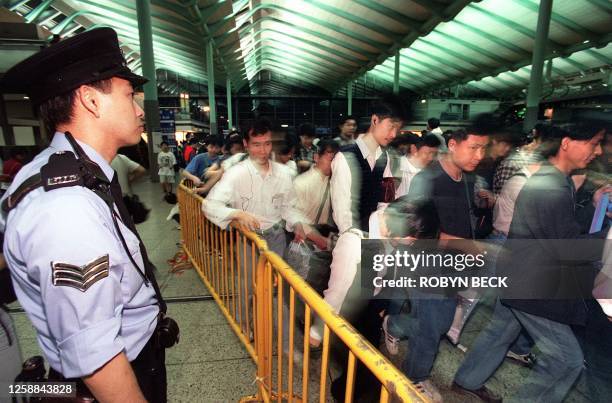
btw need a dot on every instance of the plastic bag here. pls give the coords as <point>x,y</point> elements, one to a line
<point>298,255</point>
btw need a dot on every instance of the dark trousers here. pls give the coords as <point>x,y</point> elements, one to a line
<point>368,322</point>
<point>150,371</point>
<point>598,354</point>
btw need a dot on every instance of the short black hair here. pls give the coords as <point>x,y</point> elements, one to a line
<point>403,139</point>
<point>307,130</point>
<point>461,135</point>
<point>585,129</point>
<point>258,128</point>
<point>58,110</point>
<point>433,123</point>
<point>428,140</point>
<point>347,117</point>
<point>486,124</point>
<point>327,145</point>
<point>392,107</point>
<point>581,130</point>
<point>163,143</point>
<point>215,141</point>
<point>289,144</point>
<point>511,137</point>
<point>416,218</point>
<point>233,139</point>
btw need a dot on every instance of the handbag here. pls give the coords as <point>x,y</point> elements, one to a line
<point>136,208</point>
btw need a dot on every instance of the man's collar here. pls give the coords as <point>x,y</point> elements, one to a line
<point>252,166</point>
<point>60,143</point>
<point>318,171</point>
<point>365,151</point>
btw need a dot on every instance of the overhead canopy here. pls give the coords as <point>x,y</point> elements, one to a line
<point>319,46</point>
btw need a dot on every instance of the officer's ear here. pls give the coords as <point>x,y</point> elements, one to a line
<point>88,99</point>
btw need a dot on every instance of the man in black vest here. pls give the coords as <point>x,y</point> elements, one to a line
<point>361,180</point>
<point>357,187</point>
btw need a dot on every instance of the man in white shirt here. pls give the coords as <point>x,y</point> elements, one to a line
<point>422,153</point>
<point>258,194</point>
<point>314,201</point>
<point>127,172</point>
<point>313,193</point>
<point>358,172</point>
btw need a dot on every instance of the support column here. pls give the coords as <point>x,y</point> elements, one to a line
<point>151,104</point>
<point>210,71</point>
<point>549,67</point>
<point>237,111</point>
<point>349,96</point>
<point>7,129</point>
<point>396,72</point>
<point>228,86</point>
<point>534,91</point>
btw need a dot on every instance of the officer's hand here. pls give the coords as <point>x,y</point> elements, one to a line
<point>247,220</point>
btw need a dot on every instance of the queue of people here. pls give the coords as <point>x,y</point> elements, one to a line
<point>82,273</point>
<point>490,185</point>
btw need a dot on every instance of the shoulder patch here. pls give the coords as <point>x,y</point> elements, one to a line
<point>80,277</point>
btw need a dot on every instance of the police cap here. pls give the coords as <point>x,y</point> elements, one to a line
<point>62,67</point>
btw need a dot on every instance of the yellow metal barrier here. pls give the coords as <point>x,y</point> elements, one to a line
<point>253,305</point>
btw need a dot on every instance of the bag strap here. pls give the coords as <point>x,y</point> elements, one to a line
<point>467,196</point>
<point>322,203</point>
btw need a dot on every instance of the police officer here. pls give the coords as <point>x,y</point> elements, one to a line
<point>78,266</point>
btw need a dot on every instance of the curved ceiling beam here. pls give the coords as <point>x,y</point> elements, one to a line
<point>443,62</point>
<point>263,53</point>
<point>568,50</point>
<point>453,53</point>
<point>37,11</point>
<point>602,4</point>
<point>475,48</point>
<point>450,11</point>
<point>356,19</point>
<point>391,13</point>
<point>561,20</point>
<point>499,41</point>
<point>336,62</point>
<point>296,69</point>
<point>161,17</point>
<point>322,23</point>
<point>313,33</point>
<point>280,70</point>
<point>309,42</point>
<point>513,25</point>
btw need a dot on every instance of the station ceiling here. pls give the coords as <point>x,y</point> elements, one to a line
<point>281,47</point>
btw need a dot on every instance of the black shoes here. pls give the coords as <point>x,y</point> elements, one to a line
<point>483,393</point>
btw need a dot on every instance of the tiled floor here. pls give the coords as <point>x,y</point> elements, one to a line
<point>209,364</point>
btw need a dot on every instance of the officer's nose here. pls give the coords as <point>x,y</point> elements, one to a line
<point>139,111</point>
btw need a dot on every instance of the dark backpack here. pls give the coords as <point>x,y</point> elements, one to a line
<point>136,208</point>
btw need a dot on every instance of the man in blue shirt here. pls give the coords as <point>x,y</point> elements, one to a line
<point>196,169</point>
<point>77,263</point>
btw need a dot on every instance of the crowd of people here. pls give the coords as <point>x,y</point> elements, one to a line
<point>83,276</point>
<point>486,183</point>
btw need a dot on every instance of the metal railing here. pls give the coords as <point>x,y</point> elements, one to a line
<point>259,293</point>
